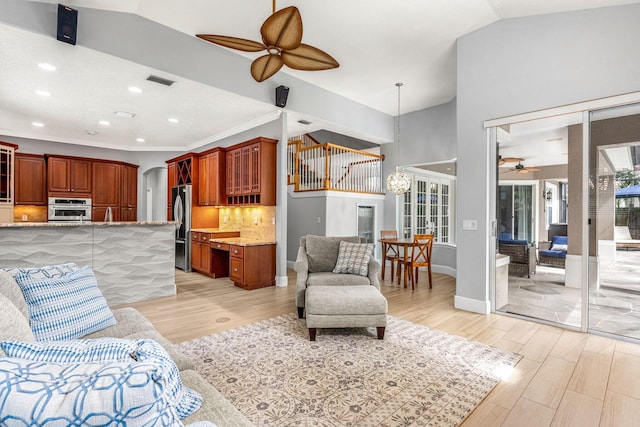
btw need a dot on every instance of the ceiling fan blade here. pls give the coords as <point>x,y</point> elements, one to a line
<point>511,159</point>
<point>522,171</point>
<point>233,42</point>
<point>534,169</point>
<point>283,29</point>
<point>308,58</point>
<point>265,67</point>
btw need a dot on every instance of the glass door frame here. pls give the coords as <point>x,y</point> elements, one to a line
<point>492,137</point>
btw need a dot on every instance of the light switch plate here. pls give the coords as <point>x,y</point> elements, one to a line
<point>469,224</point>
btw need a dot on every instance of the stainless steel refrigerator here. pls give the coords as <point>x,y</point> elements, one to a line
<point>181,202</point>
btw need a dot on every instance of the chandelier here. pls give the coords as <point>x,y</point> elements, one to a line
<point>398,182</point>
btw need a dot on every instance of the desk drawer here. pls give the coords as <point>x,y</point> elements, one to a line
<point>236,251</point>
<point>236,267</point>
<point>219,246</point>
<point>195,236</point>
<point>204,237</point>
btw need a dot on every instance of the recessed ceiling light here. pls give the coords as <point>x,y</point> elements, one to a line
<point>90,132</point>
<point>104,123</point>
<point>135,89</point>
<point>37,124</point>
<point>47,66</point>
<point>173,120</point>
<point>43,93</point>
<point>124,114</point>
<point>304,122</point>
<point>140,140</point>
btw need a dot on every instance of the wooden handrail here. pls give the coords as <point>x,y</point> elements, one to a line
<point>341,169</point>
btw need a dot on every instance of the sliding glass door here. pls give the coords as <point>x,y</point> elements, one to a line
<point>568,220</point>
<point>537,261</point>
<point>614,232</point>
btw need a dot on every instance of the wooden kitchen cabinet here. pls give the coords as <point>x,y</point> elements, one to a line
<point>252,267</point>
<point>251,172</point>
<point>182,170</point>
<point>128,192</point>
<point>67,175</point>
<point>115,185</point>
<point>211,181</point>
<point>30,179</point>
<point>200,252</point>
<point>106,189</point>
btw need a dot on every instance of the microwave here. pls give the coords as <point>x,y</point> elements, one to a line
<point>69,209</point>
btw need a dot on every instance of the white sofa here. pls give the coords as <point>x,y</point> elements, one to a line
<point>14,325</point>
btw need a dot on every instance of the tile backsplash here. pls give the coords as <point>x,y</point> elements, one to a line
<point>256,222</point>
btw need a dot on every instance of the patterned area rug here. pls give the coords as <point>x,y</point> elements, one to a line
<point>416,376</point>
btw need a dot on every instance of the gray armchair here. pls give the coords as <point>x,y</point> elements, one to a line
<point>315,262</point>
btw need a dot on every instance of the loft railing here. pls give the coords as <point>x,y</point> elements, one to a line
<point>332,167</point>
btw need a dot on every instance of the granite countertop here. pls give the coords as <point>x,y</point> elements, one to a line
<point>241,241</point>
<point>80,224</point>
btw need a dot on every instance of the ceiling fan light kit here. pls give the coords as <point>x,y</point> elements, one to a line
<point>282,39</point>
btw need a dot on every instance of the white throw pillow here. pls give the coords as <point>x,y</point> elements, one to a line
<point>558,247</point>
<point>185,400</point>
<point>127,393</point>
<point>353,258</point>
<point>65,307</point>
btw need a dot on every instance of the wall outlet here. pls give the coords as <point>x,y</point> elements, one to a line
<point>25,217</point>
<point>319,220</point>
<point>273,220</point>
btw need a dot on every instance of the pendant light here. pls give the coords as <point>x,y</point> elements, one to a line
<point>398,182</point>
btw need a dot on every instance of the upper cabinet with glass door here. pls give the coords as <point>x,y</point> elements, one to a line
<point>7,154</point>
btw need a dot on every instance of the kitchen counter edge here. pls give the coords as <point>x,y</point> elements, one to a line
<point>81,224</point>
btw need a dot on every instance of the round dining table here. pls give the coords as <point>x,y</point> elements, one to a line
<point>405,244</point>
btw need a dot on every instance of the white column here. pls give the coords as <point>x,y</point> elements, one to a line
<point>281,205</point>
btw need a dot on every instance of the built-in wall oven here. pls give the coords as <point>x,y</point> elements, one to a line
<point>69,209</point>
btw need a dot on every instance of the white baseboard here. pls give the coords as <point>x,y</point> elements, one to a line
<point>473,305</point>
<point>290,264</point>
<point>444,269</point>
<point>282,281</point>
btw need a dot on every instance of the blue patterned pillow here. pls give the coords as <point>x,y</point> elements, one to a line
<point>185,400</point>
<point>44,272</point>
<point>353,258</point>
<point>89,350</point>
<point>65,307</point>
<point>117,393</point>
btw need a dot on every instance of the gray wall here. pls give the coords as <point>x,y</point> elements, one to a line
<point>426,136</point>
<point>521,65</point>
<point>302,219</point>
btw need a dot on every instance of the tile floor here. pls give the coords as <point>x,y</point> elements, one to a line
<point>614,308</point>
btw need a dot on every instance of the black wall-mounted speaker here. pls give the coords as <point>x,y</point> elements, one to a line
<point>67,24</point>
<point>282,92</point>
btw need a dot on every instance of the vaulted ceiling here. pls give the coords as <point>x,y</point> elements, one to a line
<point>377,44</point>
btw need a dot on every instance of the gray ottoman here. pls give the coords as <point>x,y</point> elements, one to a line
<point>345,307</point>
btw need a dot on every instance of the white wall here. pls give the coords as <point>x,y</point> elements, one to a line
<point>521,65</point>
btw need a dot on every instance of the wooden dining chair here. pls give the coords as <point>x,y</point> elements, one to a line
<point>420,257</point>
<point>389,252</point>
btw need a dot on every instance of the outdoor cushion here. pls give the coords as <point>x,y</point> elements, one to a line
<point>559,240</point>
<point>554,254</point>
<point>513,242</point>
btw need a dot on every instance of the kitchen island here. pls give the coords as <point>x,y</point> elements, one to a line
<point>132,261</point>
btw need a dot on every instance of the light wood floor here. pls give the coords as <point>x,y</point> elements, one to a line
<point>565,378</point>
